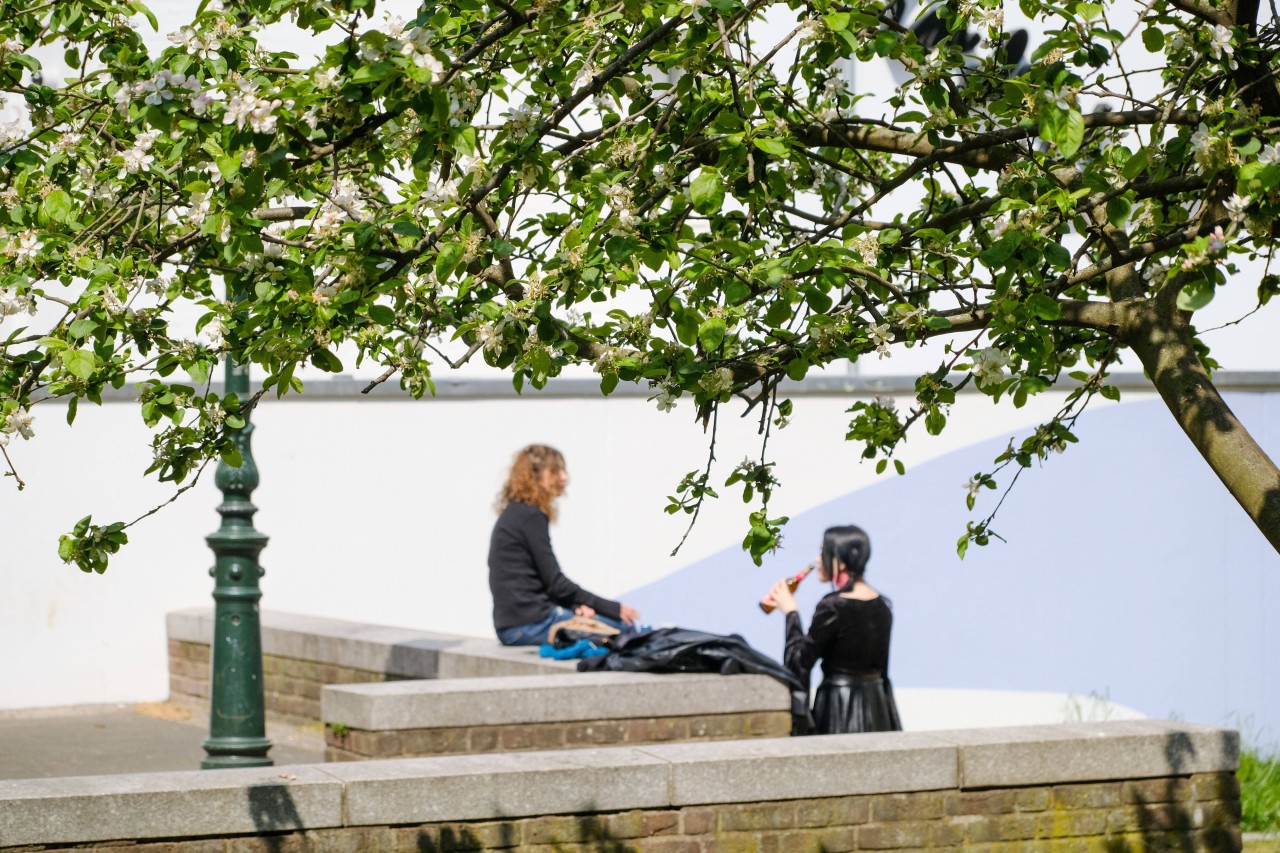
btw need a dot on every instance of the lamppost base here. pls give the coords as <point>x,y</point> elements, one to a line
<point>236,752</point>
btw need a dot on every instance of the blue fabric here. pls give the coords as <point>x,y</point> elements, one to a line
<point>580,649</point>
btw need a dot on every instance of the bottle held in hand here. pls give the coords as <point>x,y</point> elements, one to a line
<point>767,604</point>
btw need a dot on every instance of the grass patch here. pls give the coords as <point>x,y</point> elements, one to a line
<point>1259,776</point>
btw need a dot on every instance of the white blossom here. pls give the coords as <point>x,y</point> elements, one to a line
<point>1236,206</point>
<point>12,302</point>
<point>326,78</point>
<point>519,119</point>
<point>718,381</point>
<point>881,335</point>
<point>1220,45</point>
<point>1269,155</point>
<point>440,194</point>
<point>989,364</point>
<point>20,422</point>
<point>24,251</point>
<point>666,401</point>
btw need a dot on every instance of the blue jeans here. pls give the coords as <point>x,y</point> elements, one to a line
<point>535,634</point>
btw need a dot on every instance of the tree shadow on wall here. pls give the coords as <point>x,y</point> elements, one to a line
<point>1167,823</point>
<point>272,810</point>
<point>586,830</point>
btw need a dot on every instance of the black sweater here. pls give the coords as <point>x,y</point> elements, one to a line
<point>525,577</point>
<point>850,635</point>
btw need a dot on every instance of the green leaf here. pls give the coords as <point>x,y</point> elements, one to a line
<point>770,145</point>
<point>450,254</point>
<point>382,314</point>
<point>619,249</point>
<point>1057,255</point>
<point>1072,134</point>
<point>1153,39</point>
<point>1195,295</point>
<point>230,454</point>
<point>707,191</point>
<point>79,363</point>
<point>608,382</point>
<point>1118,210</point>
<point>82,327</point>
<point>326,361</point>
<point>1044,306</point>
<point>56,206</point>
<point>711,333</point>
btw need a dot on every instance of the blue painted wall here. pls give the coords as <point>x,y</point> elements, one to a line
<point>1129,572</point>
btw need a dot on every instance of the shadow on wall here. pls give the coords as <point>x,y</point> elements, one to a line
<point>273,811</point>
<point>1129,573</point>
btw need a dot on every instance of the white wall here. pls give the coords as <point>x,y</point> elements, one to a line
<point>380,512</point>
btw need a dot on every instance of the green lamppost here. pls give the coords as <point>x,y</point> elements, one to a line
<point>237,727</point>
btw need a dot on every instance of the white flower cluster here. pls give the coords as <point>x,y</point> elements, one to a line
<point>440,195</point>
<point>665,399</point>
<point>246,106</point>
<point>17,423</point>
<point>717,382</point>
<point>989,364</point>
<point>138,158</point>
<point>415,44</point>
<point>868,246</point>
<point>15,120</point>
<point>12,302</point>
<point>881,335</point>
<point>344,202</point>
<point>202,46</point>
<point>1269,155</point>
<point>620,200</point>
<point>488,337</point>
<point>519,119</point>
<point>1220,46</point>
<point>24,249</point>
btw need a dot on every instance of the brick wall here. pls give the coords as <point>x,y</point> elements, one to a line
<point>1195,812</point>
<point>345,744</point>
<point>291,687</point>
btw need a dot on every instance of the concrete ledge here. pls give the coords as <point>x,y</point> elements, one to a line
<point>167,805</point>
<point>1085,752</point>
<point>481,787</point>
<point>801,768</point>
<point>397,705</point>
<point>399,652</point>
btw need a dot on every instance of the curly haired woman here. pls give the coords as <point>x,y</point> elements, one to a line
<point>530,593</point>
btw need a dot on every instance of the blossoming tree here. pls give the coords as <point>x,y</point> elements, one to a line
<point>669,191</point>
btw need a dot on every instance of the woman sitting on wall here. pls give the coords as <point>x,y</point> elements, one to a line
<point>850,634</point>
<point>530,593</point>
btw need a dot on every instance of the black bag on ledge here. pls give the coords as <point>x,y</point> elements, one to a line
<point>686,650</point>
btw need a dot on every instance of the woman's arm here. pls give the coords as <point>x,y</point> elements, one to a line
<point>804,650</point>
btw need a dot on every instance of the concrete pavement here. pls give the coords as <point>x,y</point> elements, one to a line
<point>107,739</point>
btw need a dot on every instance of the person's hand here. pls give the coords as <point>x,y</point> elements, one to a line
<point>781,595</point>
<point>630,615</point>
<point>584,610</point>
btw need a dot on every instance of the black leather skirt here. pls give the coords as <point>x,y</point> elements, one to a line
<point>855,703</point>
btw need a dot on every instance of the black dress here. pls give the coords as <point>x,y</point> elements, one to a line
<point>851,637</point>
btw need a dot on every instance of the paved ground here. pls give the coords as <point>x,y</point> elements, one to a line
<point>100,740</point>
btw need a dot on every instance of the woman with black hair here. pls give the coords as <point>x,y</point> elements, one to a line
<point>850,634</point>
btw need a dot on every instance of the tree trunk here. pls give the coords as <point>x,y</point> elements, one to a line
<point>1161,337</point>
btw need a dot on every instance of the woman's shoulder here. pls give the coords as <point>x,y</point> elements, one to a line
<point>521,513</point>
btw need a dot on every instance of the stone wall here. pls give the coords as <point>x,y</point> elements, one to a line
<point>301,654</point>
<point>573,710</point>
<point>1124,787</point>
